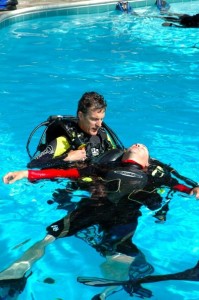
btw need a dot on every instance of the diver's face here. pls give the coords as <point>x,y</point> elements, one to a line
<point>91,121</point>
<point>124,6</point>
<point>139,151</point>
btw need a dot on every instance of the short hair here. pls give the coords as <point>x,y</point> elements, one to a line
<point>91,100</point>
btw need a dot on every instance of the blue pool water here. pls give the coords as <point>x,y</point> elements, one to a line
<point>149,76</point>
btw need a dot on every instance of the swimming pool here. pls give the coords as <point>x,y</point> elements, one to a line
<point>148,74</point>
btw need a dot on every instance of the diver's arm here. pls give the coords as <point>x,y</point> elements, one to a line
<point>183,188</point>
<point>176,186</point>
<point>56,153</point>
<point>193,189</point>
<point>52,173</point>
<point>172,171</point>
<point>34,175</point>
<point>169,177</point>
<point>49,155</point>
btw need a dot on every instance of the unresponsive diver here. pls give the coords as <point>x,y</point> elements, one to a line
<point>117,193</point>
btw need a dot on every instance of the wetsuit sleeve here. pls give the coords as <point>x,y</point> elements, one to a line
<point>167,170</point>
<point>182,188</point>
<point>52,155</point>
<point>52,173</point>
<point>174,184</point>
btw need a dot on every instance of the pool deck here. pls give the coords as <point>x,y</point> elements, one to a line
<point>33,3</point>
<point>45,3</point>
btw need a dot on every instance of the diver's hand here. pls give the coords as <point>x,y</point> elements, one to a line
<point>11,177</point>
<point>76,155</point>
<point>195,191</point>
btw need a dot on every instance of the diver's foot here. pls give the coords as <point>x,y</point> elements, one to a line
<point>11,288</point>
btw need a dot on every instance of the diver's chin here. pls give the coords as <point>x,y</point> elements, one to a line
<point>94,132</point>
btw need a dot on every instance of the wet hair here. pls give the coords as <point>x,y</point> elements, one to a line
<point>91,100</point>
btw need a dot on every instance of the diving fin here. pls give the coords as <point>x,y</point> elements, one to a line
<point>187,275</point>
<point>96,281</point>
<point>134,286</point>
<point>129,286</point>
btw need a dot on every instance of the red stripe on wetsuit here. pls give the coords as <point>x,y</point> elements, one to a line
<point>182,188</point>
<point>52,173</point>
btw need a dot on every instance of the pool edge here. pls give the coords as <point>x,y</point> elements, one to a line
<point>74,8</point>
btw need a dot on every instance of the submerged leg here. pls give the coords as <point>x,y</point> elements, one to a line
<point>115,267</point>
<point>22,265</point>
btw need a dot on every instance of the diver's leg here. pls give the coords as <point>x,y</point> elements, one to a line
<point>115,267</point>
<point>23,264</point>
<point>121,267</point>
<point>34,253</point>
<point>128,262</point>
<point>114,246</point>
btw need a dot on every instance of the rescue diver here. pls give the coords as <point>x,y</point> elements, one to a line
<point>118,191</point>
<point>81,139</point>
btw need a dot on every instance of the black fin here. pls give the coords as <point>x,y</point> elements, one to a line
<point>96,281</point>
<point>135,286</point>
<point>187,275</point>
<point>129,286</point>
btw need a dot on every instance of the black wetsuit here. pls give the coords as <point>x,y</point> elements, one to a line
<point>190,21</point>
<point>184,21</point>
<point>73,138</point>
<point>118,192</point>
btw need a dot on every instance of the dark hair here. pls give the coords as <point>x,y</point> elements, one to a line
<point>91,99</point>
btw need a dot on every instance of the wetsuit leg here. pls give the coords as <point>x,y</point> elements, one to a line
<point>81,218</point>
